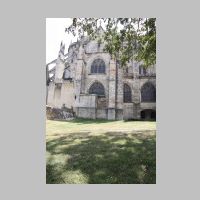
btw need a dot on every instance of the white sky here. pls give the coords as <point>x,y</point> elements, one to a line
<point>55,33</point>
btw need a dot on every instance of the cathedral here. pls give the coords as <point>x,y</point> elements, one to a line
<point>93,85</point>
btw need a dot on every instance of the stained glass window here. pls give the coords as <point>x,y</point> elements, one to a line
<point>142,70</point>
<point>148,93</point>
<point>127,94</point>
<point>98,66</point>
<point>97,88</point>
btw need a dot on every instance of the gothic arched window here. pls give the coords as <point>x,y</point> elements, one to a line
<point>97,88</point>
<point>98,66</point>
<point>127,94</point>
<point>142,70</point>
<point>148,93</point>
<point>66,74</point>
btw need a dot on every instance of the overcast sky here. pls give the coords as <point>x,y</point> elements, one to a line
<point>55,33</point>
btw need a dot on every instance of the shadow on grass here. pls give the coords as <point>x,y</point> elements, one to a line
<point>108,158</point>
<point>86,121</point>
<point>101,121</point>
<point>91,121</point>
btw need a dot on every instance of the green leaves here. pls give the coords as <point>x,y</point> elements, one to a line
<point>124,38</point>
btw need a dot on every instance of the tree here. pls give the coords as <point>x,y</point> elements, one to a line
<point>125,38</point>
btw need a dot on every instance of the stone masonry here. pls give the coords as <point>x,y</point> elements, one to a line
<point>100,91</point>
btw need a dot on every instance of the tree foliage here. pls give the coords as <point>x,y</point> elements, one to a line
<point>125,38</point>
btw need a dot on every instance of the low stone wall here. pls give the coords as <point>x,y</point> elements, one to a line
<point>59,114</point>
<point>128,111</point>
<point>101,114</point>
<point>88,113</point>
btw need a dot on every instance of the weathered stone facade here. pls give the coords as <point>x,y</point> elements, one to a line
<point>90,83</point>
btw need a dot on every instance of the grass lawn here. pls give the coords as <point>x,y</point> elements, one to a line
<point>100,151</point>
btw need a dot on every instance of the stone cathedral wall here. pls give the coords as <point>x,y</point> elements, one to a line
<point>75,93</point>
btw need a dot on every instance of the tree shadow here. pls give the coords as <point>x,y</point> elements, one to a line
<point>90,121</point>
<point>107,158</point>
<point>86,121</point>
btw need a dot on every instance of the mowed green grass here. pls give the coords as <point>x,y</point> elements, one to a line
<point>100,152</point>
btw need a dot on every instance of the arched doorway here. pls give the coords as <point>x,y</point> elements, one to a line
<point>148,114</point>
